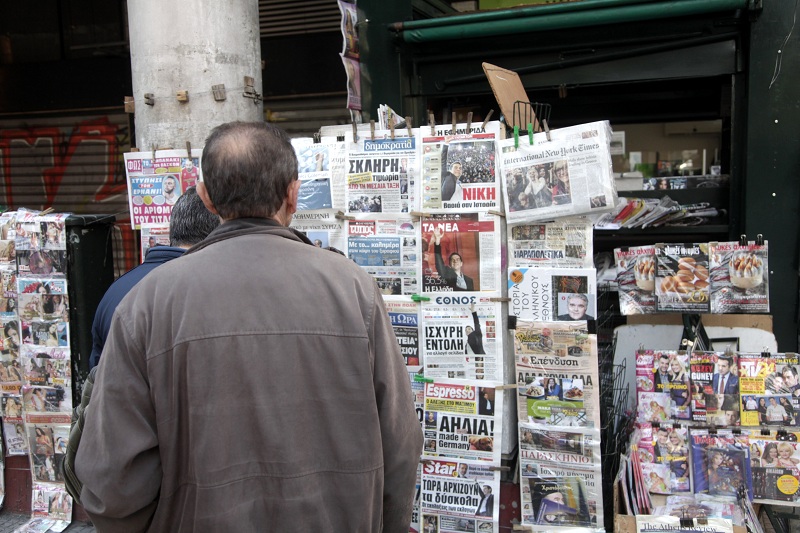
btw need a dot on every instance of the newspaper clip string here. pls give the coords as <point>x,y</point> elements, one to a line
<point>506,386</point>
<point>499,299</point>
<point>530,133</point>
<point>496,212</point>
<point>641,349</point>
<point>409,126</point>
<point>432,123</point>
<point>342,216</point>
<point>743,240</point>
<point>546,129</point>
<point>486,120</point>
<point>419,298</point>
<point>355,131</point>
<point>372,130</point>
<point>469,122</point>
<point>425,460</point>
<point>500,468</point>
<point>454,123</point>
<point>760,239</point>
<point>516,136</point>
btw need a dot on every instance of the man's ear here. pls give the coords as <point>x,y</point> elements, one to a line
<point>202,192</point>
<point>292,197</point>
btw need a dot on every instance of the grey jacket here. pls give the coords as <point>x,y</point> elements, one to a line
<point>255,384</point>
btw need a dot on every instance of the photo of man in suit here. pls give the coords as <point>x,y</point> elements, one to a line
<point>451,184</point>
<point>487,502</point>
<point>724,381</point>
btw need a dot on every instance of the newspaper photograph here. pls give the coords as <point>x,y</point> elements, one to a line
<point>557,377</point>
<point>381,174</point>
<point>682,278</point>
<point>776,475</point>
<point>322,228</point>
<point>459,169</point>
<point>739,277</point>
<point>769,390</point>
<point>561,495</point>
<point>155,183</point>
<point>548,294</point>
<point>153,235</point>
<point>459,495</point>
<point>404,315</point>
<point>462,338</point>
<point>315,172</point>
<point>460,421</point>
<point>636,279</point>
<point>42,299</point>
<point>563,243</point>
<point>461,252</point>
<point>575,446</point>
<point>387,249</point>
<point>660,524</point>
<point>569,175</point>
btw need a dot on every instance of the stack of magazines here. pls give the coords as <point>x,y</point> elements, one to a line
<point>652,213</point>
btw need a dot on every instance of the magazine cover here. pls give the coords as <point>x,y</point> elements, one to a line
<point>42,299</point>
<point>51,501</point>
<point>387,249</point>
<point>559,497</point>
<point>462,340</point>
<point>459,495</point>
<point>775,459</point>
<point>720,462</point>
<point>667,373</point>
<point>670,448</point>
<point>460,421</point>
<point>459,169</point>
<point>460,253</point>
<point>547,295</point>
<point>636,279</point>
<point>739,277</point>
<point>563,243</point>
<point>726,470</point>
<point>769,389</point>
<point>682,278</point>
<point>381,174</point>
<point>568,175</point>
<point>715,388</point>
<point>155,183</point>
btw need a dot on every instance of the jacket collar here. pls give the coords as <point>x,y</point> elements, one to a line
<point>249,226</point>
<point>161,254</point>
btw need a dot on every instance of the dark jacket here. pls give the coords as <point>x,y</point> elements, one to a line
<point>265,390</point>
<point>448,274</point>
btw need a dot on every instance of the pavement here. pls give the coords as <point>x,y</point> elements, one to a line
<point>10,521</point>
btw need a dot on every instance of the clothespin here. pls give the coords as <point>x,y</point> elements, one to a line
<point>506,386</point>
<point>342,216</point>
<point>743,240</point>
<point>422,379</point>
<point>418,214</point>
<point>432,123</point>
<point>372,130</point>
<point>46,211</point>
<point>391,126</point>
<point>420,298</point>
<point>340,138</point>
<point>546,129</point>
<point>496,212</point>
<point>500,468</point>
<point>488,116</point>
<point>182,96</point>
<point>188,149</point>
<point>454,122</point>
<point>219,92</point>
<point>469,121</point>
<point>408,125</point>
<point>149,99</point>
<point>530,133</point>
<point>516,136</point>
<point>154,152</point>
<point>760,240</point>
<point>355,132</point>
<point>130,105</point>
<point>499,299</point>
<point>317,137</point>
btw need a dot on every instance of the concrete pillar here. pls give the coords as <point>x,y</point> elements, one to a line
<point>190,45</point>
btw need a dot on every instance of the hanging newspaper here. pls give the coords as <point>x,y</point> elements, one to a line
<point>315,167</point>
<point>322,228</point>
<point>769,389</point>
<point>459,495</point>
<point>404,315</point>
<point>460,421</point>
<point>51,501</point>
<point>682,278</point>
<point>381,174</point>
<point>459,168</point>
<point>660,524</point>
<point>461,253</point>
<point>776,467</point>
<point>156,180</point>
<point>349,32</point>
<point>739,277</point>
<point>352,68</point>
<point>387,249</point>
<point>569,175</point>
<point>565,494</point>
<point>462,338</point>
<point>564,243</point>
<point>153,235</point>
<point>545,295</point>
<point>414,526</point>
<point>557,376</point>
<point>636,279</point>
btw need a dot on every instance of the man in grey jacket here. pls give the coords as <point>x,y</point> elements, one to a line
<point>256,384</point>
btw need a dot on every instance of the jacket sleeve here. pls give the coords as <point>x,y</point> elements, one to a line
<point>118,459</point>
<point>444,271</point>
<point>401,435</point>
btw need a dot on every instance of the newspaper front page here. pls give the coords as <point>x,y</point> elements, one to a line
<point>547,294</point>
<point>460,421</point>
<point>322,228</point>
<point>462,338</point>
<point>557,374</point>
<point>563,243</point>
<point>569,175</point>
<point>381,174</point>
<point>404,315</point>
<point>461,253</point>
<point>316,172</point>
<point>388,250</point>
<point>459,495</point>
